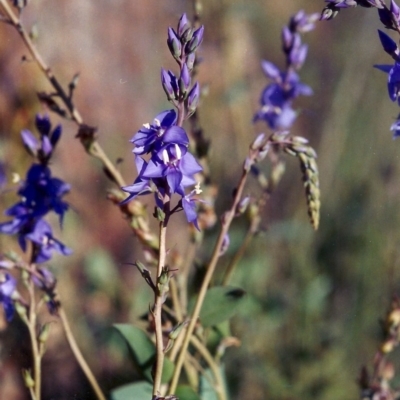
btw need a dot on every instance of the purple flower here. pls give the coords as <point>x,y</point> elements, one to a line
<point>393,79</point>
<point>174,163</point>
<point>141,185</point>
<point>7,288</point>
<point>277,97</point>
<point>388,44</point>
<point>42,149</point>
<point>46,282</point>
<point>42,237</point>
<point>151,136</point>
<point>40,194</point>
<point>189,205</point>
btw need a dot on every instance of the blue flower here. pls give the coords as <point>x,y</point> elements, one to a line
<point>174,163</point>
<point>7,288</point>
<point>42,149</point>
<point>151,136</point>
<point>45,243</point>
<point>393,72</point>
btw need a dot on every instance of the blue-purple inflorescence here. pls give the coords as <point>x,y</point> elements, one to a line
<point>40,193</point>
<point>168,167</point>
<point>277,97</point>
<point>390,18</point>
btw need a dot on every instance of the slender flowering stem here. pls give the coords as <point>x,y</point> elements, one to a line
<point>32,320</point>
<point>159,299</point>
<point>227,220</point>
<point>78,355</point>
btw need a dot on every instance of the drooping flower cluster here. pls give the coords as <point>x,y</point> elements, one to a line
<point>390,18</point>
<point>334,6</point>
<point>276,99</point>
<point>163,161</point>
<point>40,193</point>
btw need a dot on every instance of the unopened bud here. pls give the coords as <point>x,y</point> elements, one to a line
<point>169,84</point>
<point>173,335</point>
<point>159,214</point>
<point>183,26</point>
<point>184,80</point>
<point>44,333</point>
<point>242,206</point>
<point>258,141</point>
<point>190,59</point>
<point>27,377</point>
<point>225,245</point>
<point>196,40</point>
<point>174,44</point>
<point>193,98</point>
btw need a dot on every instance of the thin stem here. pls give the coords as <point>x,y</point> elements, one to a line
<point>183,277</point>
<point>227,220</point>
<point>32,317</point>
<point>219,383</point>
<point>251,231</point>
<point>78,355</point>
<point>159,299</point>
<point>237,257</point>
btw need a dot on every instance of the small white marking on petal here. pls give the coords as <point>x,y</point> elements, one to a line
<point>178,152</point>
<point>146,125</point>
<point>165,156</point>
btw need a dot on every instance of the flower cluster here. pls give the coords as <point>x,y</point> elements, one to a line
<point>276,99</point>
<point>390,18</point>
<point>40,193</point>
<point>168,167</point>
<point>334,6</point>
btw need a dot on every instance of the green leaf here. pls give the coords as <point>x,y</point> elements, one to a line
<point>101,272</point>
<point>136,391</point>
<point>221,303</point>
<point>140,345</point>
<point>143,351</point>
<point>185,392</point>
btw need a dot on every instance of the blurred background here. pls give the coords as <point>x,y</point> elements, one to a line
<point>314,298</point>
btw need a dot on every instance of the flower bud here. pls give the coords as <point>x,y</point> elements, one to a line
<point>174,44</point>
<point>184,80</point>
<point>242,206</point>
<point>44,333</point>
<point>193,98</point>
<point>173,335</point>
<point>225,245</point>
<point>196,40</point>
<point>27,377</point>
<point>183,26</point>
<point>190,59</point>
<point>169,84</point>
<point>258,141</point>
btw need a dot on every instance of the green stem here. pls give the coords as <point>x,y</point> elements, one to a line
<point>32,318</point>
<point>227,220</point>
<point>219,383</point>
<point>159,300</point>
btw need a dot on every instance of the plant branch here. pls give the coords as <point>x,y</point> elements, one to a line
<point>227,220</point>
<point>32,319</point>
<point>78,355</point>
<point>160,293</point>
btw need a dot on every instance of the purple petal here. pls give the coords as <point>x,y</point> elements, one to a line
<point>189,165</point>
<point>175,134</point>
